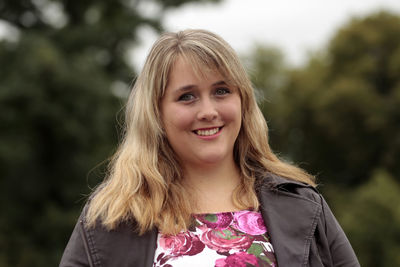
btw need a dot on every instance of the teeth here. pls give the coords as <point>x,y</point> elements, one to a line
<point>207,132</point>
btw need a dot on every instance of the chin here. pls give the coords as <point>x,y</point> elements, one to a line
<point>212,159</point>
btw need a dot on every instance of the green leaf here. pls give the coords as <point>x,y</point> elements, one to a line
<point>265,258</point>
<point>211,218</point>
<point>255,249</point>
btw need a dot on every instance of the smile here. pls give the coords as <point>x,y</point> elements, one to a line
<point>207,132</point>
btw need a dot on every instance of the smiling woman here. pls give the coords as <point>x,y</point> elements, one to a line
<point>194,181</point>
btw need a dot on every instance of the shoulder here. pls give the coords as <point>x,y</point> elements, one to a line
<point>92,245</point>
<point>285,200</point>
<point>273,183</point>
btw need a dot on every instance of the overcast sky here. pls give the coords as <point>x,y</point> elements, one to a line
<point>296,27</point>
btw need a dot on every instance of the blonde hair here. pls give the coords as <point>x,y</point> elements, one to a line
<point>145,179</point>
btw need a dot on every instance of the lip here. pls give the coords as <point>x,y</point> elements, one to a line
<point>208,137</point>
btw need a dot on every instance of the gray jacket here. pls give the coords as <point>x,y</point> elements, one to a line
<point>303,231</point>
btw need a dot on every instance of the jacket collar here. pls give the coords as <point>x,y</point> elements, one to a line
<point>291,219</point>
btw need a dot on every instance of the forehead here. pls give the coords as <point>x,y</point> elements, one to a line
<point>185,71</point>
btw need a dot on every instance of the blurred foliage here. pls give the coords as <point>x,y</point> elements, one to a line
<point>371,217</point>
<point>61,82</point>
<point>339,113</point>
<point>339,116</point>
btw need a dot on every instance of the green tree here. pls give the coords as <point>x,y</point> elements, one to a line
<point>61,79</point>
<point>371,217</point>
<point>339,117</point>
<point>339,113</point>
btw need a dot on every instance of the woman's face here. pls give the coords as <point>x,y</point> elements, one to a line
<point>201,116</point>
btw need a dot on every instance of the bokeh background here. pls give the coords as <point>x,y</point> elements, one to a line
<point>332,101</point>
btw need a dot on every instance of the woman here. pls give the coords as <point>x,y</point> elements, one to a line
<point>194,181</point>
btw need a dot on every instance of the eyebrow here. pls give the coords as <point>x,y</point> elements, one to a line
<point>191,86</point>
<point>219,83</point>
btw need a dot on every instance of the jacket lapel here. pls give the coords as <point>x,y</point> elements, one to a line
<point>291,221</point>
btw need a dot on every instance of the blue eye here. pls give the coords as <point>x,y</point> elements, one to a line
<point>186,97</point>
<point>222,91</point>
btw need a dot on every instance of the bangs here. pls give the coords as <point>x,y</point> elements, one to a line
<point>204,53</point>
<point>203,64</point>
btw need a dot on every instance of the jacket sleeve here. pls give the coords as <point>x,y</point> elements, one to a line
<point>76,254</point>
<point>342,254</point>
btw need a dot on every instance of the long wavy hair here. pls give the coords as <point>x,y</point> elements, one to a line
<point>145,180</point>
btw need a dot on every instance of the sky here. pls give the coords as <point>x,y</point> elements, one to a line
<point>296,27</point>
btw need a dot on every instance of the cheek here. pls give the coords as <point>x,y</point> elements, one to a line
<point>232,111</point>
<point>176,118</point>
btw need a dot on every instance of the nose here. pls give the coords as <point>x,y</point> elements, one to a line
<point>207,110</point>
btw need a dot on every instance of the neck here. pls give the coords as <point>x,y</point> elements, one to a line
<point>211,186</point>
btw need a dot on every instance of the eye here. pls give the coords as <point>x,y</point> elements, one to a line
<point>186,97</point>
<point>222,91</point>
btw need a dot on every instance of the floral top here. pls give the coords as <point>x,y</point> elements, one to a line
<point>219,239</point>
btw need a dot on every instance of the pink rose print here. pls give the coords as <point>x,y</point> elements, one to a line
<point>249,222</point>
<point>223,240</point>
<point>239,259</point>
<point>181,244</point>
<point>220,220</point>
